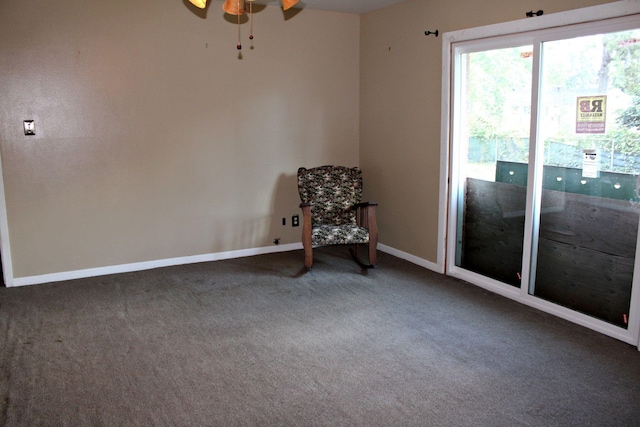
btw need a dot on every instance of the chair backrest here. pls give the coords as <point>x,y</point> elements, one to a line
<point>333,191</point>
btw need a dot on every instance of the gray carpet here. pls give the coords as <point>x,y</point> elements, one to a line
<point>259,342</point>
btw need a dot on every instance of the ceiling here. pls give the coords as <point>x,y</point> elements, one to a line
<point>346,6</point>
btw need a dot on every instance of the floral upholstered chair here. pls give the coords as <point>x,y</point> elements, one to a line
<point>333,213</point>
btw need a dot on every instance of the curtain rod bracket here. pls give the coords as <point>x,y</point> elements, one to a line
<point>426,33</point>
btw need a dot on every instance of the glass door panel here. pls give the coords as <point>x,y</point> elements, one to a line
<point>493,147</point>
<point>589,212</point>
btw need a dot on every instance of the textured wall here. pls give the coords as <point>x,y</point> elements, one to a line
<point>400,108</point>
<point>154,138</point>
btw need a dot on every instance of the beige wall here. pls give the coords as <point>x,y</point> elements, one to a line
<point>154,140</point>
<point>400,108</point>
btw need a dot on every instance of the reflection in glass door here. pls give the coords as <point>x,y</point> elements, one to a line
<point>589,212</point>
<point>492,167</point>
<point>544,204</point>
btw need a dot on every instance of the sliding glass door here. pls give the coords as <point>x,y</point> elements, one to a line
<point>493,151</point>
<point>545,162</point>
<point>589,208</point>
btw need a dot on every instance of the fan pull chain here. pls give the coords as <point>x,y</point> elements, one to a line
<point>239,43</point>
<point>251,20</point>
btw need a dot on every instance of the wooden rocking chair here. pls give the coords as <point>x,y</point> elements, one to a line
<point>333,213</point>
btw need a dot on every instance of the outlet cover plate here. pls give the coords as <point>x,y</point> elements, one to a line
<point>29,127</point>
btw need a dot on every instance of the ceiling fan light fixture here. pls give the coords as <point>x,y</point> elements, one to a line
<point>234,7</point>
<point>238,7</point>
<point>288,4</point>
<point>199,3</point>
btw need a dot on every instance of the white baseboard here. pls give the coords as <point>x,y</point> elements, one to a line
<point>412,258</point>
<point>148,265</point>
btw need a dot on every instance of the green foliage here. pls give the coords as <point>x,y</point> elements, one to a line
<point>498,92</point>
<point>630,117</point>
<point>623,51</point>
<point>496,78</point>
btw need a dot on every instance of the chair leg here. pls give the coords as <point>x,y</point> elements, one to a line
<point>308,255</point>
<point>373,254</point>
<point>306,235</point>
<point>354,254</point>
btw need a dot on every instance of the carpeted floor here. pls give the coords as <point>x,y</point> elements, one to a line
<point>260,342</point>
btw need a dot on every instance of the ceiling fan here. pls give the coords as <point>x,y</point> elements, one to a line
<point>238,7</point>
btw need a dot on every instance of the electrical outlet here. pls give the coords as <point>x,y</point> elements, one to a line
<point>295,220</point>
<point>29,127</point>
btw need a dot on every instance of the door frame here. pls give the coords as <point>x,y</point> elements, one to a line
<point>5,246</point>
<point>447,178</point>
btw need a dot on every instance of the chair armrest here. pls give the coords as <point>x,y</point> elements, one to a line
<point>366,216</point>
<point>365,204</point>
